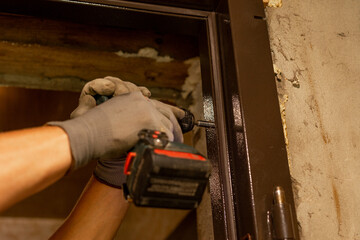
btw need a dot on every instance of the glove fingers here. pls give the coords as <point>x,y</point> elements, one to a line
<point>126,87</point>
<point>146,92</point>
<point>178,135</point>
<point>113,79</point>
<point>171,128</point>
<point>179,113</point>
<point>131,87</point>
<point>168,112</point>
<point>85,104</point>
<point>161,119</point>
<point>166,127</point>
<point>122,87</point>
<point>119,86</point>
<point>108,86</point>
<point>112,86</point>
<point>100,86</point>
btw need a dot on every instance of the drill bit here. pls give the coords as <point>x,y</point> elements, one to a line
<point>205,124</point>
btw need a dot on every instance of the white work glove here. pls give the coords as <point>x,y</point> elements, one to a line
<point>108,86</point>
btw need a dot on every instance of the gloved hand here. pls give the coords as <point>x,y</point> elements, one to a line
<point>110,129</point>
<point>110,171</point>
<point>108,86</point>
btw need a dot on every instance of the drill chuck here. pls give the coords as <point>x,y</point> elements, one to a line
<point>188,122</point>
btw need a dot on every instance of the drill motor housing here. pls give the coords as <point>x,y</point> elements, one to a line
<point>165,174</point>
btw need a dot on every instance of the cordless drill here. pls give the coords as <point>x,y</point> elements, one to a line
<point>165,174</point>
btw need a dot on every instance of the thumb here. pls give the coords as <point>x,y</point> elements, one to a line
<point>85,103</point>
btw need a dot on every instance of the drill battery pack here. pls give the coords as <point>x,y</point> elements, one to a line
<point>165,174</point>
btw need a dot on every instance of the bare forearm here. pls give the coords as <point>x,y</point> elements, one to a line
<point>31,160</point>
<point>97,214</point>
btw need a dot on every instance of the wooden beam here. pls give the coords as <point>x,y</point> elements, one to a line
<point>51,63</point>
<point>56,55</point>
<point>33,30</point>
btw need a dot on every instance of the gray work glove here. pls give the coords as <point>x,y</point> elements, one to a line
<point>108,86</point>
<point>110,129</point>
<point>110,171</point>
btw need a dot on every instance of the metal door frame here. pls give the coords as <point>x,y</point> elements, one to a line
<point>247,148</point>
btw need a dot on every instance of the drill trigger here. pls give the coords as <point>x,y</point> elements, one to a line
<point>129,158</point>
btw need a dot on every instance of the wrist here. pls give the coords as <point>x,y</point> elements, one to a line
<point>79,140</point>
<point>111,172</point>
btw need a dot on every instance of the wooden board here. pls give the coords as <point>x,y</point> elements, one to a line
<point>49,54</point>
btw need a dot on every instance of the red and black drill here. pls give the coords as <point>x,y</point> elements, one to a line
<point>165,174</point>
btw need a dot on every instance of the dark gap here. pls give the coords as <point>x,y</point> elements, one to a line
<point>260,17</point>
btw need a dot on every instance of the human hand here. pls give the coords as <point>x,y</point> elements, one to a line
<point>110,171</point>
<point>110,129</point>
<point>108,86</point>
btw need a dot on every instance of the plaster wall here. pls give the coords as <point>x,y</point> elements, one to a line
<point>316,52</point>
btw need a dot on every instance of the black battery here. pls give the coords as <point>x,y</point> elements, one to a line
<point>165,174</point>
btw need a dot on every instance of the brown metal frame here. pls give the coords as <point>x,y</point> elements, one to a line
<point>247,147</point>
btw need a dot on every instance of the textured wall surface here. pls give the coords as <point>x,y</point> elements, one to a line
<point>316,51</point>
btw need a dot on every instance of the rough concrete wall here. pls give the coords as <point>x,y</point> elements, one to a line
<point>316,48</point>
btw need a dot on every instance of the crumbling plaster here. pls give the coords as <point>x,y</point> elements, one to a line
<point>316,51</point>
